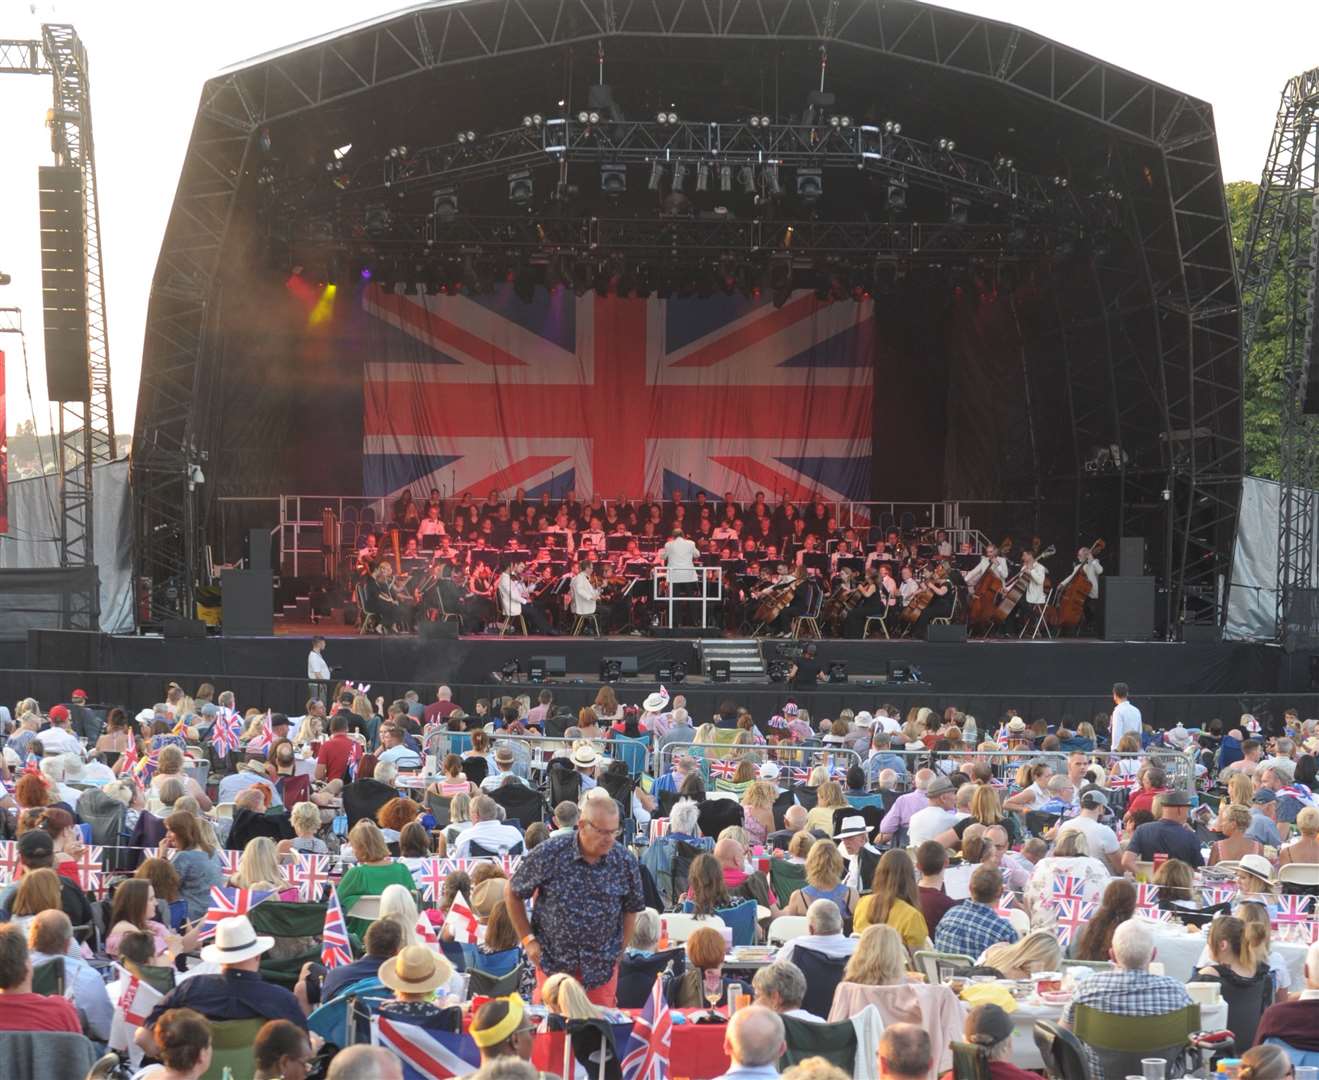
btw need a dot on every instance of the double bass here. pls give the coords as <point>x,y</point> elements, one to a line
<point>985,595</point>
<point>1016,589</point>
<point>1068,607</point>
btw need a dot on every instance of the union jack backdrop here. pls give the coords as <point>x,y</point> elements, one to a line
<point>617,396</point>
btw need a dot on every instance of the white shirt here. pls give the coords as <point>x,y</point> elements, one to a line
<point>928,823</point>
<point>584,594</point>
<point>430,527</point>
<point>1124,721</point>
<point>1035,576</point>
<point>401,756</point>
<point>1100,840</point>
<point>512,594</point>
<point>1092,570</point>
<point>680,557</point>
<point>55,740</point>
<point>317,668</point>
<point>908,589</point>
<point>888,724</point>
<point>491,835</point>
<point>835,945</point>
<point>998,565</point>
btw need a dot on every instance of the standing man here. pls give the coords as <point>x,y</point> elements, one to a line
<point>680,559</point>
<point>587,888</point>
<point>318,671</point>
<point>1125,719</point>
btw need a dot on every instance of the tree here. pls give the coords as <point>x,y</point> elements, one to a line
<point>1263,367</point>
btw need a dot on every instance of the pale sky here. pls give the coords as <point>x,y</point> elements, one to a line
<point>149,61</point>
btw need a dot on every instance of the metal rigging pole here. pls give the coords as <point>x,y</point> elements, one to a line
<point>1281,241</point>
<point>86,428</point>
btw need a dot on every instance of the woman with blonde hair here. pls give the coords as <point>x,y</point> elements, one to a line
<point>460,817</point>
<point>880,958</point>
<point>397,903</point>
<point>375,870</point>
<point>987,809</point>
<point>1239,952</point>
<point>305,817</point>
<point>1239,788</point>
<point>564,996</point>
<point>1037,951</point>
<point>170,767</point>
<point>1268,1061</point>
<point>258,869</point>
<point>824,881</point>
<point>894,900</point>
<point>799,846</point>
<point>829,798</point>
<point>1306,848</point>
<point>1233,821</point>
<point>758,810</point>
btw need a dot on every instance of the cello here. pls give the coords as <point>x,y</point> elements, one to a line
<point>916,606</point>
<point>1068,609</point>
<point>1015,590</point>
<point>778,598</point>
<point>985,595</point>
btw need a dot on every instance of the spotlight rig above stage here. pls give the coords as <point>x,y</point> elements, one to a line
<point>589,200</point>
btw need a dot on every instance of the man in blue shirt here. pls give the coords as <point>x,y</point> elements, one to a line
<point>882,757</point>
<point>1167,835</point>
<point>973,925</point>
<point>1263,817</point>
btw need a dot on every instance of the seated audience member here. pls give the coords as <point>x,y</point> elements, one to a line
<point>1130,990</point>
<point>237,992</point>
<point>1265,1063</point>
<point>973,925</point>
<point>1296,1022</point>
<point>502,1029</point>
<point>366,1063</point>
<point>1169,835</point>
<point>1037,951</point>
<point>880,958</point>
<point>281,1052</point>
<point>305,817</point>
<point>415,973</point>
<point>1239,964</point>
<point>366,795</point>
<point>20,1008</point>
<point>905,1053</point>
<point>183,1043</point>
<point>705,962</point>
<point>384,938</point>
<point>990,1028</point>
<point>894,900</point>
<point>196,863</point>
<point>36,852</point>
<point>51,936</point>
<point>781,986</point>
<point>754,1043</point>
<point>931,861</point>
<point>824,933</point>
<point>1117,905</point>
<point>375,870</point>
<point>486,830</point>
<point>824,881</point>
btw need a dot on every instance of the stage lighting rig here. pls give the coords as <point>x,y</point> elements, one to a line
<point>897,195</point>
<point>444,203</point>
<point>521,188</point>
<point>656,175</point>
<point>613,178</point>
<point>778,671</point>
<point>837,671</point>
<point>533,120</point>
<point>810,185</point>
<point>610,670</point>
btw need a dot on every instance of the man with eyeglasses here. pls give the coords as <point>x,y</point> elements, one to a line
<point>588,892</point>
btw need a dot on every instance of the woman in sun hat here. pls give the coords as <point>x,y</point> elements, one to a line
<point>415,973</point>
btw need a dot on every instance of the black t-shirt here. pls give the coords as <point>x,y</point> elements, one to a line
<point>808,672</point>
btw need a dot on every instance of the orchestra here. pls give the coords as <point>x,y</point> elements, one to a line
<point>553,560</point>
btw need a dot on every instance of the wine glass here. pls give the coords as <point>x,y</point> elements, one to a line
<point>712,986</point>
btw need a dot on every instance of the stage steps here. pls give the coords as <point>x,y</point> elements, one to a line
<point>745,662</point>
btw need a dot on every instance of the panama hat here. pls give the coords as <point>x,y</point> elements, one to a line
<point>1254,865</point>
<point>584,756</point>
<point>656,702</point>
<point>235,940</point>
<point>415,970</point>
<point>854,825</point>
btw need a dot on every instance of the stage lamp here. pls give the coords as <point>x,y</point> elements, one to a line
<point>892,127</point>
<point>810,185</point>
<point>510,671</point>
<point>533,121</point>
<point>591,117</point>
<point>520,187</point>
<point>663,117</point>
<point>771,175</point>
<point>702,176</point>
<point>958,208</point>
<point>1001,161</point>
<point>679,175</point>
<point>778,671</point>
<point>837,671</point>
<point>465,137</point>
<point>725,178</point>
<point>613,178</point>
<point>656,175</point>
<point>444,203</point>
<point>610,670</point>
<point>897,194</point>
<point>946,145</point>
<point>746,176</point>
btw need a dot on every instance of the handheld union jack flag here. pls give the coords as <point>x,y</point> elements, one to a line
<point>311,874</point>
<point>1223,893</point>
<point>226,732</point>
<point>647,1056</point>
<point>431,879</point>
<point>1072,915</point>
<point>335,947</point>
<point>145,768</point>
<point>1290,910</point>
<point>1065,887</point>
<point>264,738</point>
<point>9,861</point>
<point>1147,900</point>
<point>88,866</point>
<point>226,902</point>
<point>723,768</point>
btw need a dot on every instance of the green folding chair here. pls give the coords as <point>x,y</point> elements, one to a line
<point>296,928</point>
<point>1120,1042</point>
<point>48,977</point>
<point>231,1046</point>
<point>786,878</point>
<point>938,966</point>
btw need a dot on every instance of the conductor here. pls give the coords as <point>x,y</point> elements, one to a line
<point>680,559</point>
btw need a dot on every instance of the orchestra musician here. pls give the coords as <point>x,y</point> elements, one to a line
<point>940,606</point>
<point>368,553</point>
<point>430,525</point>
<point>1092,568</point>
<point>1034,572</point>
<point>879,597</point>
<point>514,599</point>
<point>909,586</point>
<point>990,562</point>
<point>586,586</point>
<point>381,600</point>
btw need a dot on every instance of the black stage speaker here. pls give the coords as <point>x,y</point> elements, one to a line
<point>63,283</point>
<point>259,544</point>
<point>1128,604</point>
<point>1200,634</point>
<point>627,666</point>
<point>247,601</point>
<point>553,665</point>
<point>439,630</point>
<point>719,670</point>
<point>955,631</point>
<point>1131,556</point>
<point>174,629</point>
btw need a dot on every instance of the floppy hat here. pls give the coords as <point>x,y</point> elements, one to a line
<point>415,970</point>
<point>656,702</point>
<point>1016,724</point>
<point>504,755</point>
<point>1175,797</point>
<point>235,940</point>
<point>855,825</point>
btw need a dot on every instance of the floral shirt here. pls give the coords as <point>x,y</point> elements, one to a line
<point>578,916</point>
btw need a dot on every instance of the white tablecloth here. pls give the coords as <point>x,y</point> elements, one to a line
<point>1026,1055</point>
<point>1178,951</point>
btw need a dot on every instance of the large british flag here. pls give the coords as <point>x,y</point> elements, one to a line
<point>618,396</point>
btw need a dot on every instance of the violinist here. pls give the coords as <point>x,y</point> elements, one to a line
<point>514,599</point>
<point>1034,572</point>
<point>586,586</point>
<point>380,599</point>
<point>991,562</point>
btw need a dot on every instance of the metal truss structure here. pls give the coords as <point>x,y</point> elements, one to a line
<point>1281,242</point>
<point>1167,324</point>
<point>86,428</point>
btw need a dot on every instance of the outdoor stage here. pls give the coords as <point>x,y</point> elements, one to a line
<point>1169,681</point>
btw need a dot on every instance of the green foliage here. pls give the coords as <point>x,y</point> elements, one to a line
<point>1263,375</point>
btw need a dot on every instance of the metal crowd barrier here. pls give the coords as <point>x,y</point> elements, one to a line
<point>719,760</point>
<point>539,750</point>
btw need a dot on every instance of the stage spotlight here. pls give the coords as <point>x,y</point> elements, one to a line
<point>510,671</point>
<point>892,127</point>
<point>958,208</point>
<point>656,176</point>
<point>663,117</point>
<point>591,117</point>
<point>702,176</point>
<point>946,145</point>
<point>613,178</point>
<point>444,203</point>
<point>837,671</point>
<point>679,175</point>
<point>771,174</point>
<point>746,176</point>
<point>520,187</point>
<point>719,670</point>
<point>725,178</point>
<point>679,672</point>
<point>1003,162</point>
<point>535,120</point>
<point>810,185</point>
<point>778,671</point>
<point>610,670</point>
<point>341,152</point>
<point>465,137</point>
<point>897,194</point>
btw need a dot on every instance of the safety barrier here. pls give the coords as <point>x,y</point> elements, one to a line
<point>719,760</point>
<point>539,750</point>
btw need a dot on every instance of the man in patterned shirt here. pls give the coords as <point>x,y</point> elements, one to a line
<point>588,892</point>
<point>973,925</point>
<point>1130,990</point>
